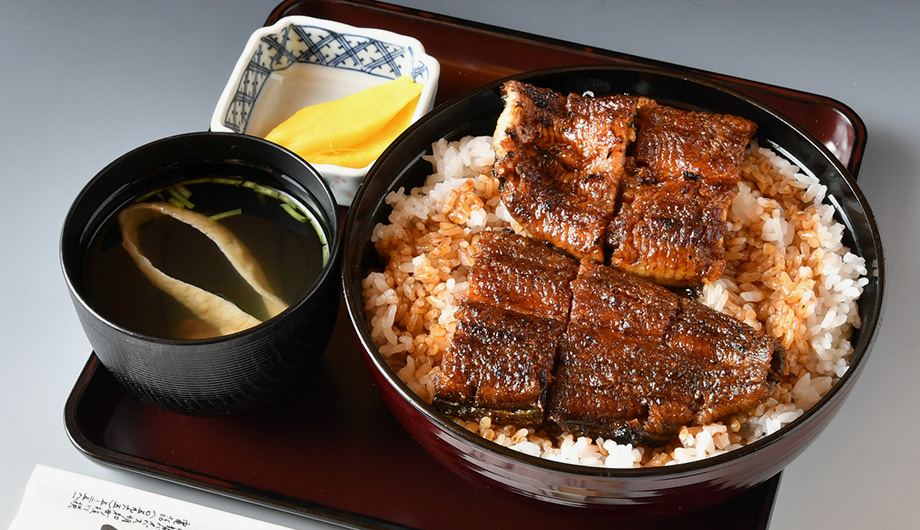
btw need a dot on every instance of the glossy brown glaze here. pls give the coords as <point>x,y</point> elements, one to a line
<point>561,158</point>
<point>638,361</point>
<point>509,327</point>
<point>576,172</point>
<point>671,232</point>
<point>624,304</point>
<point>603,353</point>
<point>678,144</point>
<point>523,275</point>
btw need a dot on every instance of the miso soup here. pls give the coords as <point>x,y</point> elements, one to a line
<point>128,283</point>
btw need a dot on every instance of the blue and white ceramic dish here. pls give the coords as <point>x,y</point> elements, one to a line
<point>300,61</point>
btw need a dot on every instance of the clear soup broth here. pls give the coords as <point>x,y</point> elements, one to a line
<point>284,240</point>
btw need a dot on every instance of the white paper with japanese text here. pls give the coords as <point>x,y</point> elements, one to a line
<point>56,499</point>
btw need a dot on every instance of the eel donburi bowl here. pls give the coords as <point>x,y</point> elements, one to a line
<point>663,489</point>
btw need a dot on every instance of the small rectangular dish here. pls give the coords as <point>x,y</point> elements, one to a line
<point>300,61</point>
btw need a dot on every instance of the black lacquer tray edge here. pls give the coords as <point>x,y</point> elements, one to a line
<point>99,453</point>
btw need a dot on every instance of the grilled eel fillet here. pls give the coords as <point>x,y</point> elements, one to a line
<point>638,361</point>
<point>682,180</point>
<point>676,144</point>
<point>509,325</point>
<point>593,350</point>
<point>671,232</point>
<point>657,211</point>
<point>561,159</point>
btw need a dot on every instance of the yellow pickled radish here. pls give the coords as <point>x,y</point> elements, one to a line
<point>351,131</point>
<point>371,148</point>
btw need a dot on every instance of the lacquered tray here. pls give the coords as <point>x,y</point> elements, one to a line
<point>334,452</point>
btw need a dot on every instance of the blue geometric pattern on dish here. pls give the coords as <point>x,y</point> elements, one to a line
<point>321,46</point>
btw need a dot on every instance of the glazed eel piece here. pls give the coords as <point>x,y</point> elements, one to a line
<point>638,361</point>
<point>543,341</point>
<point>681,181</point>
<point>561,159</point>
<point>509,325</point>
<point>671,232</point>
<point>621,179</point>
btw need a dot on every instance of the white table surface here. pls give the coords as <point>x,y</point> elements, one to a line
<point>84,82</point>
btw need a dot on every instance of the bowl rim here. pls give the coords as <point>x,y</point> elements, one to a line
<point>334,233</point>
<point>426,98</point>
<point>868,331</point>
